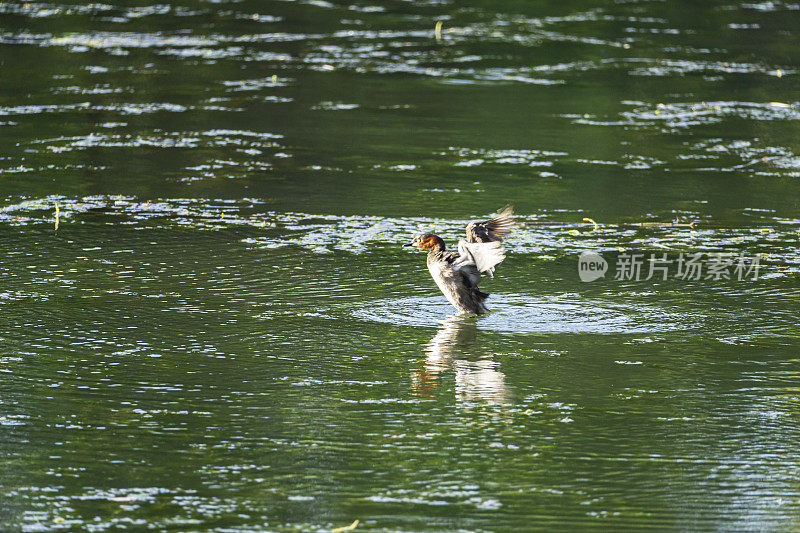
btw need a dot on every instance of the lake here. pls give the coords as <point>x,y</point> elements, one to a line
<point>208,321</point>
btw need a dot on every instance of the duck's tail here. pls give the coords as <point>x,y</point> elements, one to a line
<point>480,299</point>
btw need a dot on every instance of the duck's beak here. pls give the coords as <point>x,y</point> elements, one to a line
<point>408,245</point>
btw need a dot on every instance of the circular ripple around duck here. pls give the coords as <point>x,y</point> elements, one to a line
<point>531,315</point>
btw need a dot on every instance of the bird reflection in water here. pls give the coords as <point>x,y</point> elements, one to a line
<point>454,348</point>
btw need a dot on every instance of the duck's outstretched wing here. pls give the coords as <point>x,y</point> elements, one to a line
<point>478,256</point>
<point>492,230</point>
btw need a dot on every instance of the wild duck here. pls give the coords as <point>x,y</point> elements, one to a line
<point>458,272</point>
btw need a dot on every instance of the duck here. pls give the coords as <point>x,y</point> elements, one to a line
<point>458,272</point>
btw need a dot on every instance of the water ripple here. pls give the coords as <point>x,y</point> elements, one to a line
<point>531,315</point>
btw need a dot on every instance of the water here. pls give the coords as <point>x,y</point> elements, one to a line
<point>224,333</point>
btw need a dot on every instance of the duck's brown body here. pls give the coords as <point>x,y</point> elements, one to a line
<point>457,273</point>
<point>459,286</point>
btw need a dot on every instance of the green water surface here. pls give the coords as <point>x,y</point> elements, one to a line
<point>225,334</point>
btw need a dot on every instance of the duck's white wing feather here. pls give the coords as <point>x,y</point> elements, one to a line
<point>484,256</point>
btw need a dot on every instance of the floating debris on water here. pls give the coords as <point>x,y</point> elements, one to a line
<point>342,529</point>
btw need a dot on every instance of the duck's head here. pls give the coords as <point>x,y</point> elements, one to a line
<point>426,241</point>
